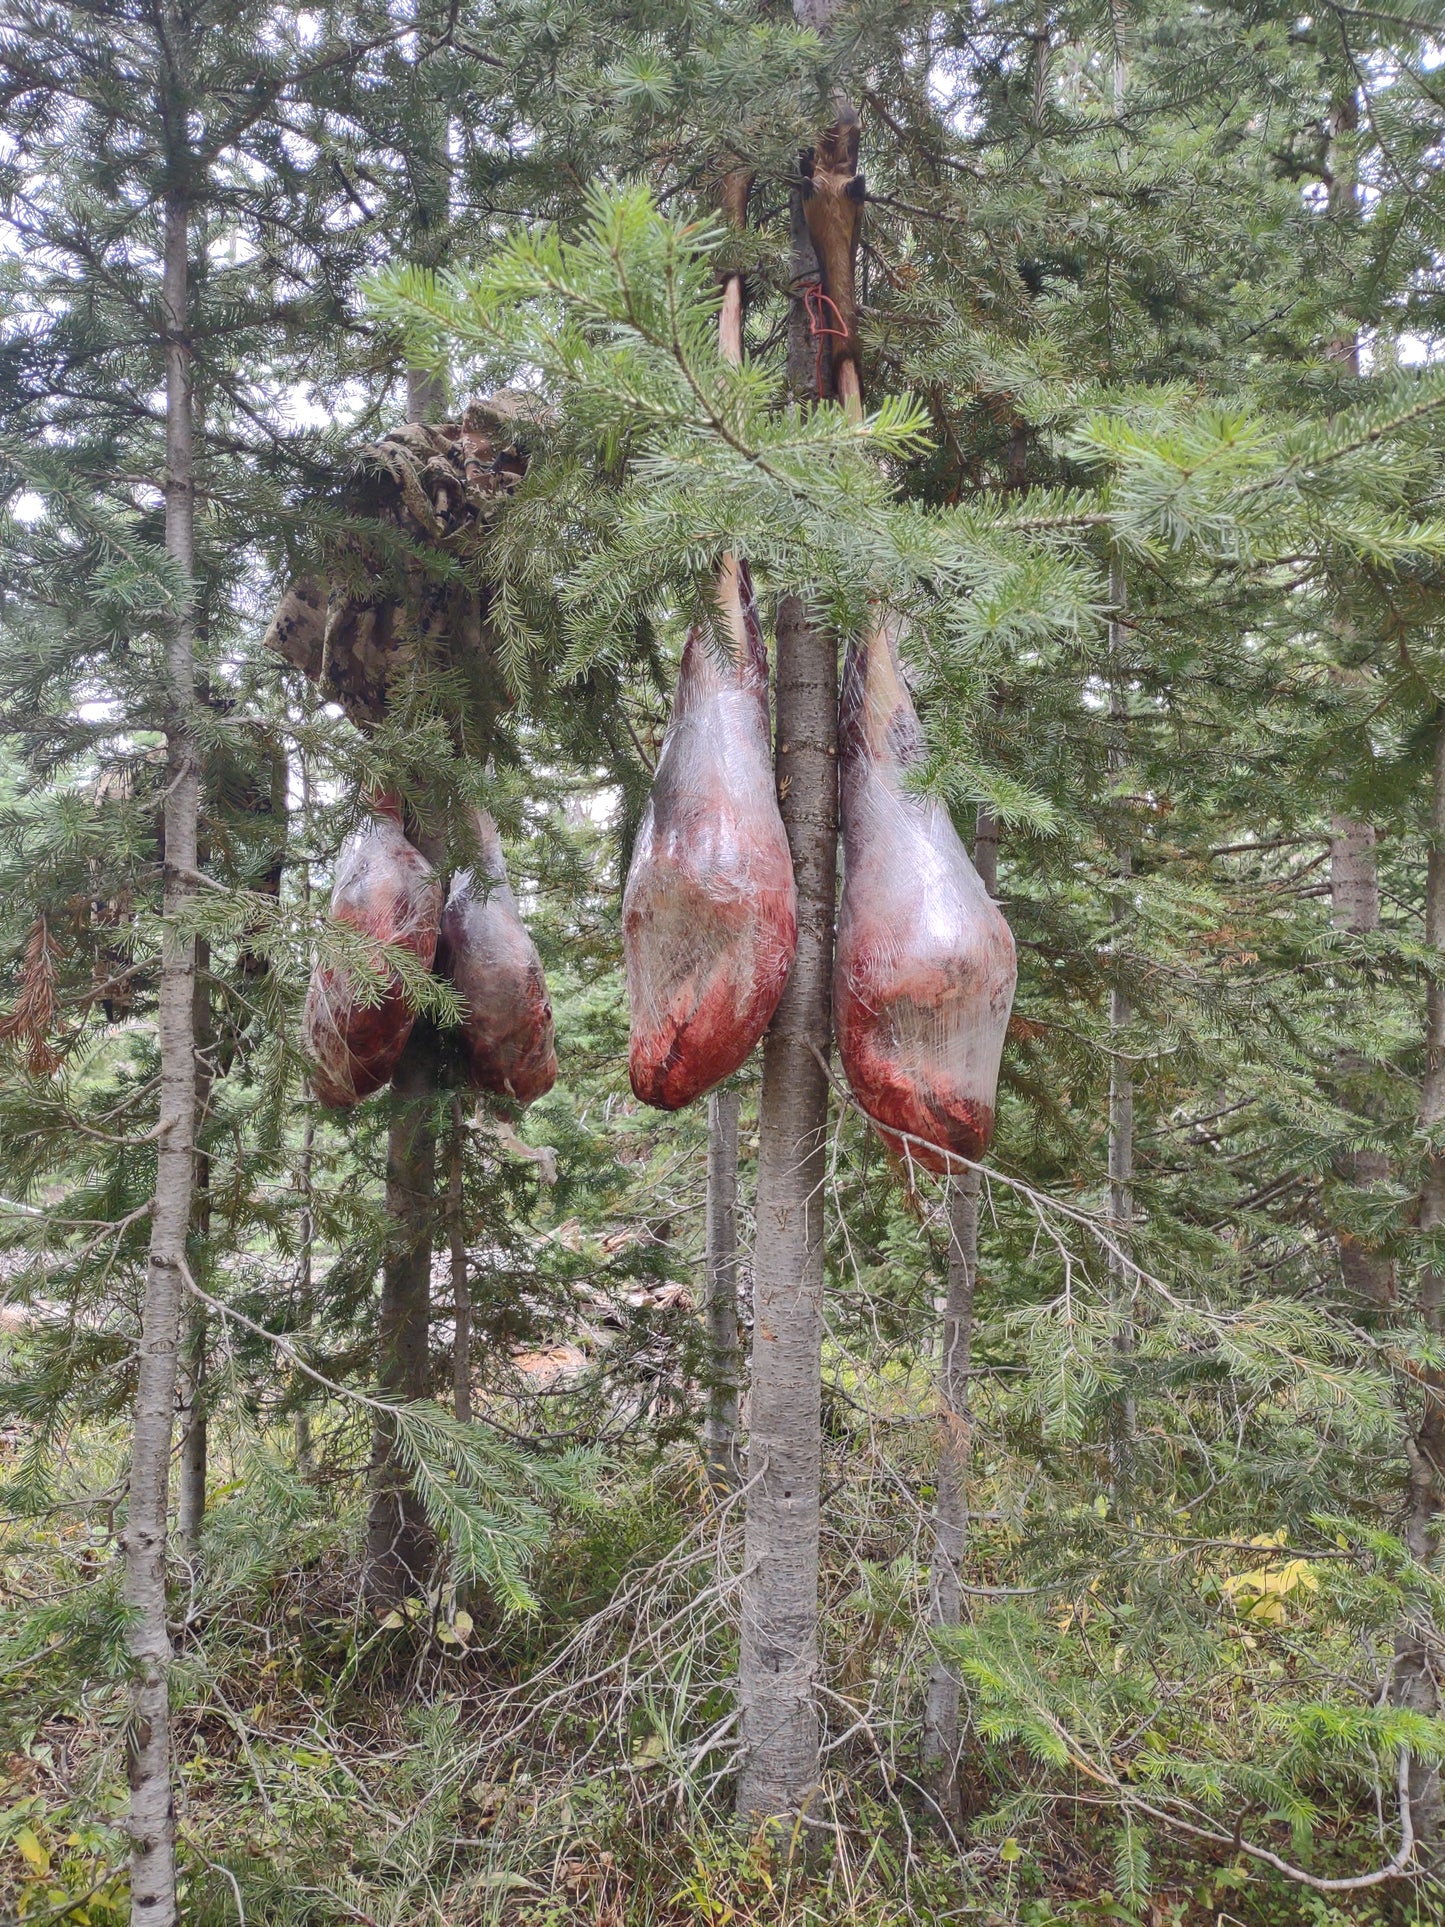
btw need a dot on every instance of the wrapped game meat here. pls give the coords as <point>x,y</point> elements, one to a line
<point>709,915</point>
<point>386,889</point>
<point>924,969</point>
<point>486,950</point>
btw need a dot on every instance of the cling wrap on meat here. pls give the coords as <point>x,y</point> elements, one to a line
<point>386,889</point>
<point>710,913</point>
<point>488,953</point>
<point>924,968</point>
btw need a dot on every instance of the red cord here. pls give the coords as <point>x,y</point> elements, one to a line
<point>815,302</point>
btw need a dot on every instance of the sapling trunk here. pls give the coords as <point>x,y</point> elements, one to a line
<point>400,1545</point>
<point>194,1418</point>
<point>151,1819</point>
<point>1414,1683</point>
<point>400,1548</point>
<point>942,1723</point>
<point>942,1701</point>
<point>1122,1282</point>
<point>778,1663</point>
<point>461,1282</point>
<point>720,1427</point>
<point>1355,908</point>
<point>721,1449</point>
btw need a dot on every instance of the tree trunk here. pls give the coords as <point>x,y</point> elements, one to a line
<point>400,1545</point>
<point>1355,907</point>
<point>1415,1683</point>
<point>942,1725</point>
<point>779,1658</point>
<point>778,1661</point>
<point>151,1820</point>
<point>941,1709</point>
<point>1122,1284</point>
<point>461,1284</point>
<point>720,1300</point>
<point>194,1427</point>
<point>305,1309</point>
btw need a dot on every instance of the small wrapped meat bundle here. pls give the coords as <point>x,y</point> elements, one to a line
<point>710,912</point>
<point>485,949</point>
<point>924,970</point>
<point>386,889</point>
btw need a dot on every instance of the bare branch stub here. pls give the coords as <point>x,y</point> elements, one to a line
<point>833,195</point>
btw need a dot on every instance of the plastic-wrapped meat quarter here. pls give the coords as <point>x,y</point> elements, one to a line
<point>488,952</point>
<point>709,914</point>
<point>924,969</point>
<point>385,889</point>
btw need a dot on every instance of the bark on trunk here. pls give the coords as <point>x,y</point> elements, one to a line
<point>720,1294</point>
<point>1419,1652</point>
<point>1122,1286</point>
<point>942,1707</point>
<point>194,1452</point>
<point>400,1545</point>
<point>778,1662</point>
<point>721,1449</point>
<point>1355,907</point>
<point>461,1282</point>
<point>305,1307</point>
<point>942,1702</point>
<point>151,1819</point>
<point>779,1655</point>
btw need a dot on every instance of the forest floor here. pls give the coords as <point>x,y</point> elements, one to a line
<point>453,1765</point>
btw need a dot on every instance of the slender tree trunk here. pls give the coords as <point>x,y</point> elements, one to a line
<point>151,1821</point>
<point>305,1308</point>
<point>400,1545</point>
<point>942,1725</point>
<point>1355,907</point>
<point>430,162</point>
<point>720,1300</point>
<point>1419,1652</point>
<point>461,1283</point>
<point>194,1425</point>
<point>1122,1283</point>
<point>779,1657</point>
<point>778,1667</point>
<point>305,1279</point>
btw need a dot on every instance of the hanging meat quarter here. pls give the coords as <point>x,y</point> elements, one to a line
<point>709,915</point>
<point>387,890</point>
<point>924,969</point>
<point>487,951</point>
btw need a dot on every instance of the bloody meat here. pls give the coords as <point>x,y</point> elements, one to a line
<point>710,913</point>
<point>488,953</point>
<point>924,969</point>
<point>387,890</point>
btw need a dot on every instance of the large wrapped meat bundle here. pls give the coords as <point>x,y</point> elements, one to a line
<point>485,948</point>
<point>386,889</point>
<point>924,969</point>
<point>710,913</point>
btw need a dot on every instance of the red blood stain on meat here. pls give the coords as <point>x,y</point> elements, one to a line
<point>488,953</point>
<point>385,889</point>
<point>924,968</point>
<point>710,914</point>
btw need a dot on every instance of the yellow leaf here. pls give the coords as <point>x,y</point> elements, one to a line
<point>463,1624</point>
<point>392,1621</point>
<point>31,1851</point>
<point>1010,1851</point>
